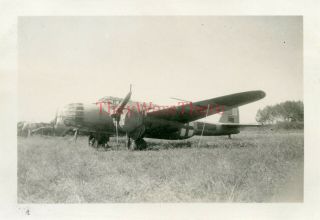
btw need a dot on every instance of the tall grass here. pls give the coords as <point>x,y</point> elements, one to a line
<point>251,167</point>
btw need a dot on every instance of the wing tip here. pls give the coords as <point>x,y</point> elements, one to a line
<point>261,94</point>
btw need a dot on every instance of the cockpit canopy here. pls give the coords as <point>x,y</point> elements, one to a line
<point>114,100</point>
<point>110,99</point>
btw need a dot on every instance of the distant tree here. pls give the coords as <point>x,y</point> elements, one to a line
<point>289,111</point>
<point>261,116</point>
<point>265,116</point>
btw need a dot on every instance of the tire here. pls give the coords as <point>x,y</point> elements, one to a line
<point>138,144</point>
<point>142,144</point>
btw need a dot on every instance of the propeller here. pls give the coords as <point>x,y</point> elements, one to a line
<point>118,111</point>
<point>122,104</point>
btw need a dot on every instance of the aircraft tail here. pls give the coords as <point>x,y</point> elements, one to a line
<point>230,116</point>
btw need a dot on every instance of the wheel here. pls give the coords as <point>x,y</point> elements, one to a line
<point>142,144</point>
<point>138,144</point>
<point>103,140</point>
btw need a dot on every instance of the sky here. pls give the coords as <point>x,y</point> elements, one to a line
<point>81,59</point>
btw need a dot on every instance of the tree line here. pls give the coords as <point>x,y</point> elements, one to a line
<point>289,111</point>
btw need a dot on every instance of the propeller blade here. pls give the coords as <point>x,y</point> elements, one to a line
<point>118,112</point>
<point>122,104</point>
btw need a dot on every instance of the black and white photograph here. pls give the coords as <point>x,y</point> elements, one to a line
<point>160,109</point>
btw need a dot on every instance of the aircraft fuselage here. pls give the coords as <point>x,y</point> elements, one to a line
<point>93,118</point>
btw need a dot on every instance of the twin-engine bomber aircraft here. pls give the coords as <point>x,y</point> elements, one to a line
<point>113,116</point>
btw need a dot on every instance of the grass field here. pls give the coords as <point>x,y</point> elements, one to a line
<point>254,166</point>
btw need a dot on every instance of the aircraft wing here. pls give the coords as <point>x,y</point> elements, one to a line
<point>187,112</point>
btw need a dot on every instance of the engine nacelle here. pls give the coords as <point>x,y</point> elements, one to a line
<point>131,122</point>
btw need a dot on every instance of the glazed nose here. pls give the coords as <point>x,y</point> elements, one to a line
<point>74,114</point>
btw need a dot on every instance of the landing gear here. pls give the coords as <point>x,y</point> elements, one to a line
<point>138,144</point>
<point>91,140</point>
<point>229,136</point>
<point>128,142</point>
<point>97,140</point>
